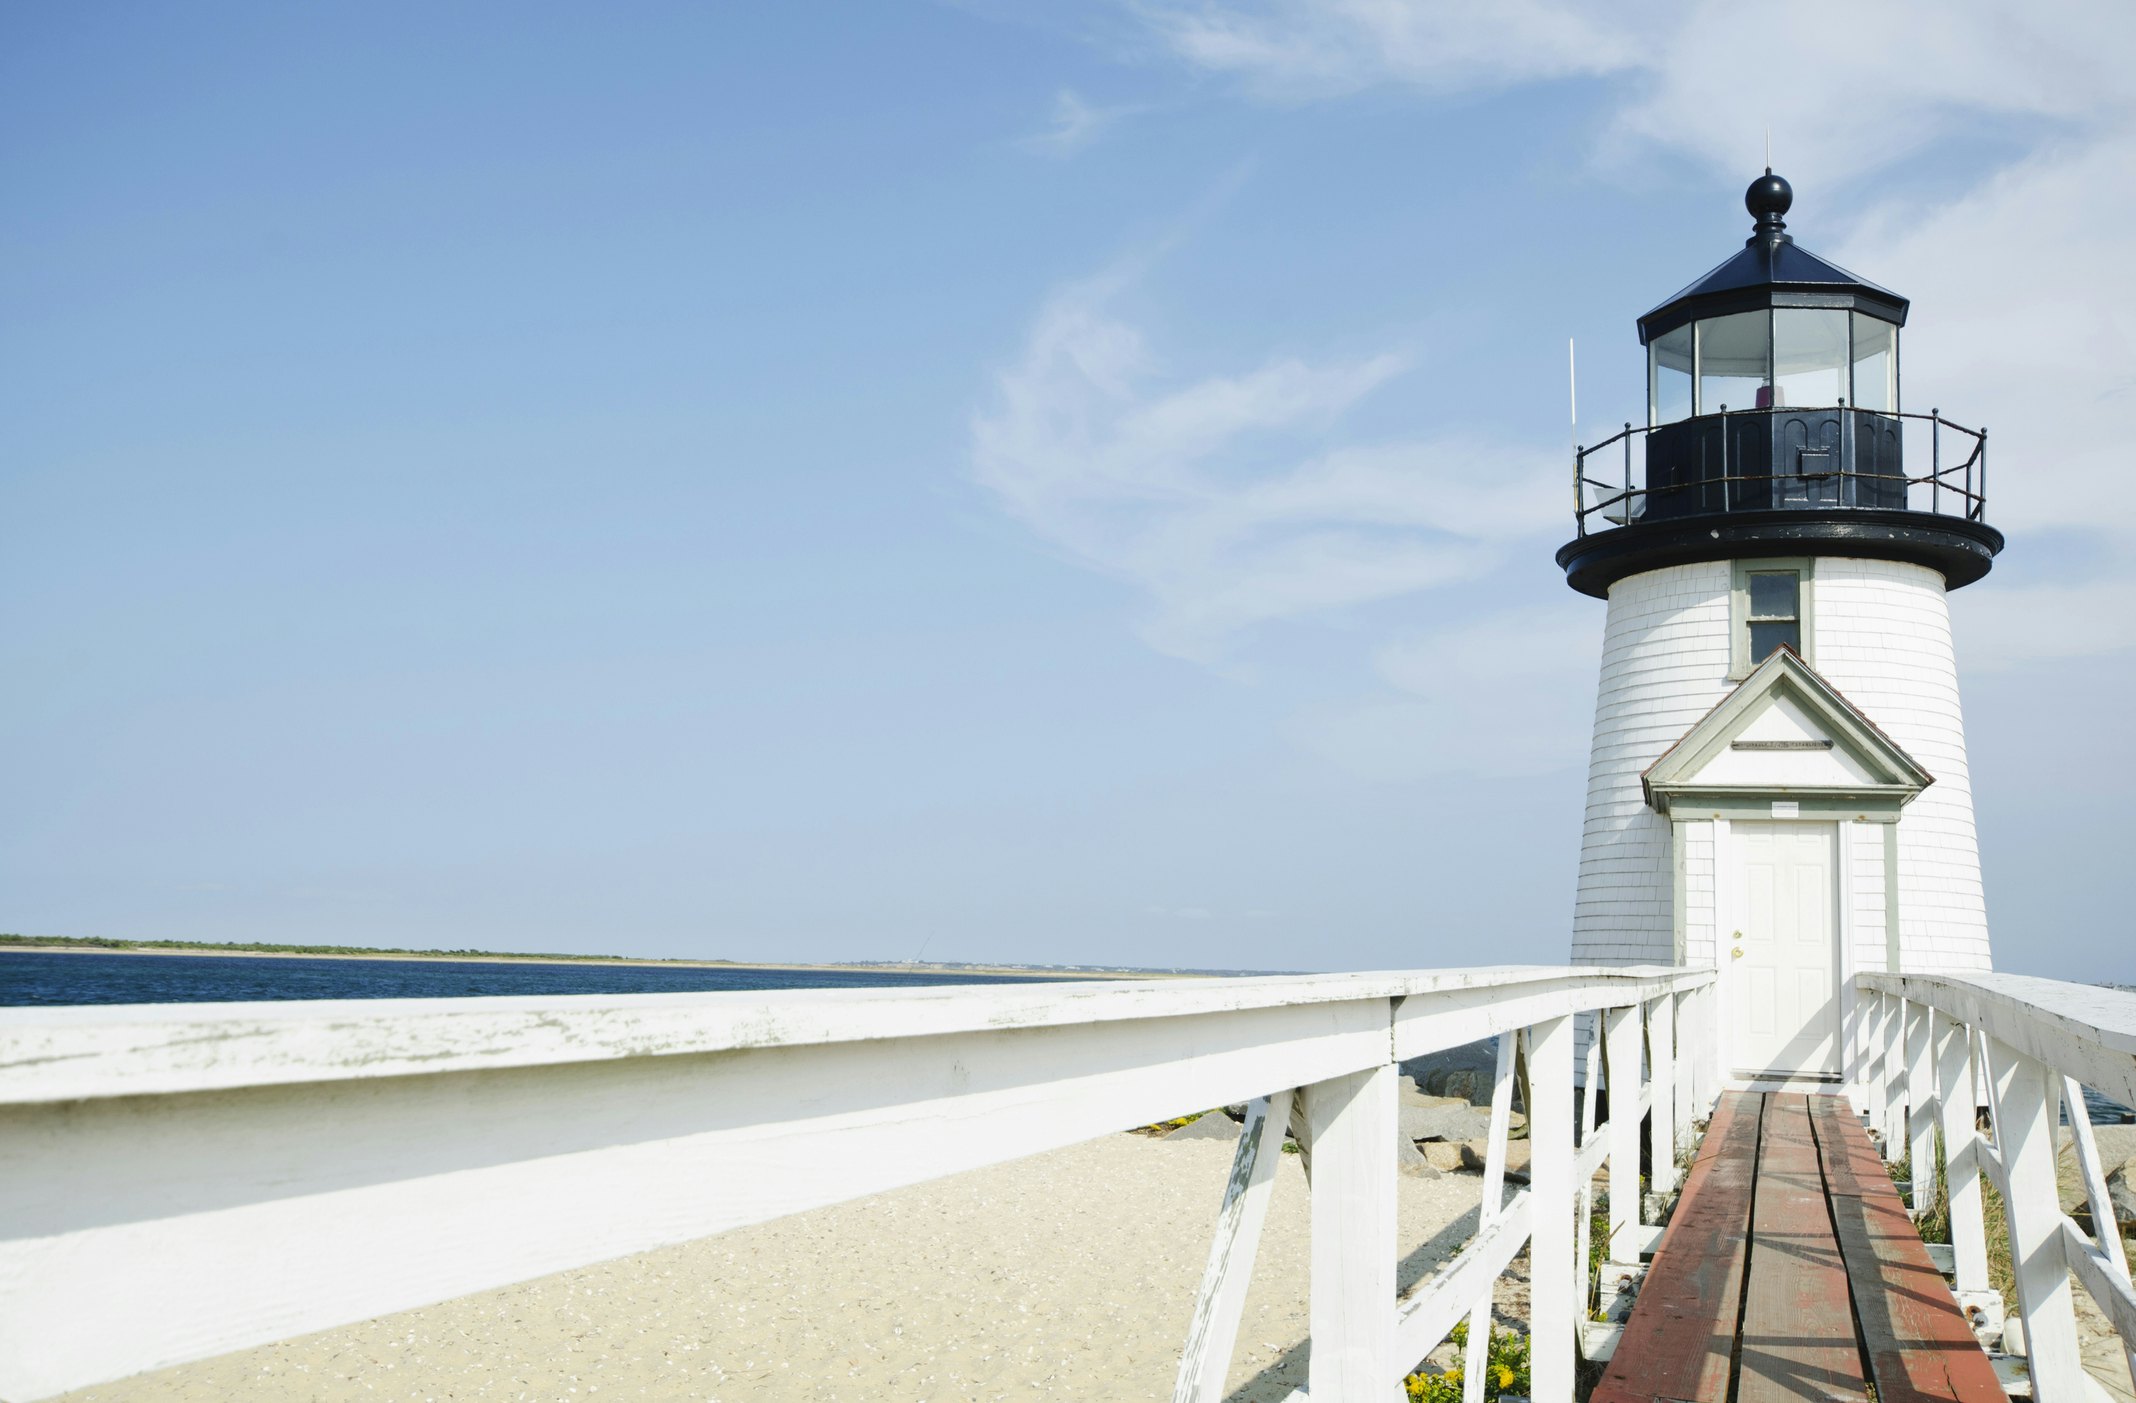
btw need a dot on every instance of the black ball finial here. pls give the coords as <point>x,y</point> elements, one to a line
<point>1767,199</point>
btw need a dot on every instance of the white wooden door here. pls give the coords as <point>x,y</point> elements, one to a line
<point>1786,978</point>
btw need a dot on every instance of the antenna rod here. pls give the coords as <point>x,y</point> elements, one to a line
<point>1572,385</point>
<point>1768,148</point>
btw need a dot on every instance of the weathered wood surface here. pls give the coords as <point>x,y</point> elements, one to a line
<point>1917,1341</point>
<point>66,1054</point>
<point>1680,1340</point>
<point>2079,1030</point>
<point>1214,1330</point>
<point>1798,1328</point>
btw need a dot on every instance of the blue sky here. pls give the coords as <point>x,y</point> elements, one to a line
<point>1054,483</point>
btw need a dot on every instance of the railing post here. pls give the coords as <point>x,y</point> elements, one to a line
<point>1661,1064</point>
<point>1352,1121</point>
<point>1980,501</point>
<point>2025,1100</point>
<point>1935,461</point>
<point>1961,1157</point>
<point>1712,1075</point>
<point>1622,1052</point>
<point>1685,1066</point>
<point>1552,1294</point>
<point>1875,1085</point>
<point>1584,1191</point>
<point>1891,1042</point>
<point>1920,1110</point>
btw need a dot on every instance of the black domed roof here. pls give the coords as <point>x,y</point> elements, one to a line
<point>1771,270</point>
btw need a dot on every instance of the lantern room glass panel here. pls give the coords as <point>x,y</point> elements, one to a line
<point>1876,364</point>
<point>1809,357</point>
<point>1669,377</point>
<point>1735,362</point>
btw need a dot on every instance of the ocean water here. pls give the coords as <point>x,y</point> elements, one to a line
<point>50,977</point>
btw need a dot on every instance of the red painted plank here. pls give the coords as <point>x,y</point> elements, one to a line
<point>1798,1324</point>
<point>1919,1345</point>
<point>1851,1164</point>
<point>1680,1338</point>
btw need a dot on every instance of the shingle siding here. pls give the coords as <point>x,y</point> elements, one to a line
<point>1881,634</point>
<point>1664,665</point>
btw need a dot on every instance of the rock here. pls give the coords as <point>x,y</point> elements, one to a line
<point>1213,1126</point>
<point>1455,1122</point>
<point>1411,1161</point>
<point>2121,1190</point>
<point>1444,1155</point>
<point>1465,1071</point>
<point>1414,1095</point>
<point>1518,1153</point>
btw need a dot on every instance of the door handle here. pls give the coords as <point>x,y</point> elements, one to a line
<point>1737,952</point>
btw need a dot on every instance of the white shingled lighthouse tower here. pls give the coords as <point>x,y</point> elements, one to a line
<point>1778,785</point>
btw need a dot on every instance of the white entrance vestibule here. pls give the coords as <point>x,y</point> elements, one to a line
<point>1789,796</point>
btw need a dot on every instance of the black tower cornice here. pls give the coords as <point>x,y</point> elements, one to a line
<point>1771,270</point>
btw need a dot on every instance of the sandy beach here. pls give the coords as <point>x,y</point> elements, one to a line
<point>1066,1275</point>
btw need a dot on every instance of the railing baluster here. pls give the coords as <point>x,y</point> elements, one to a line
<point>1494,1192</point>
<point>1213,1334</point>
<point>2106,1229</point>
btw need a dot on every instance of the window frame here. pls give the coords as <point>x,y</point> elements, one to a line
<point>1739,661</point>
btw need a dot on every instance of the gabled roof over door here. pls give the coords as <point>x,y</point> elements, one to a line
<point>1785,735</point>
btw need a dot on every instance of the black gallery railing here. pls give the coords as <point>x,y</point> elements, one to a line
<point>1781,458</point>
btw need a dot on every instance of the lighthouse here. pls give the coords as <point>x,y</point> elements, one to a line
<point>1777,788</point>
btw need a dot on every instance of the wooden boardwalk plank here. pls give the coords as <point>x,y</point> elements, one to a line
<point>1680,1340</point>
<point>1851,1164</point>
<point>1798,1324</point>
<point>1918,1343</point>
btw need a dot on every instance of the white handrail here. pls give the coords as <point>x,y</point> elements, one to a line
<point>320,1163</point>
<point>1938,1046</point>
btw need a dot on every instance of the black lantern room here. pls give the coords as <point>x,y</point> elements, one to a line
<point>1774,425</point>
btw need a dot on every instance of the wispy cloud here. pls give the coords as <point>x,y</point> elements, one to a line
<point>1229,498</point>
<point>1297,49</point>
<point>1509,692</point>
<point>1910,71</point>
<point>1074,124</point>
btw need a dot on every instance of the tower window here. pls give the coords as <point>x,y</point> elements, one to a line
<point>1770,607</point>
<point>1775,612</point>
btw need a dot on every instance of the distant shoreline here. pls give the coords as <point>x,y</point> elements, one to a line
<point>64,946</point>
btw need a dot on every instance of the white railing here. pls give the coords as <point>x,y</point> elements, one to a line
<point>180,1181</point>
<point>1938,1048</point>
